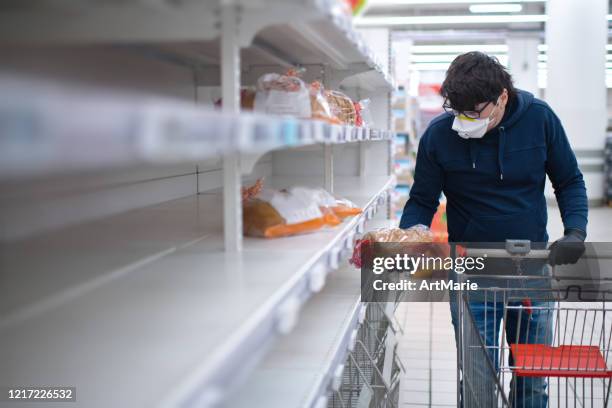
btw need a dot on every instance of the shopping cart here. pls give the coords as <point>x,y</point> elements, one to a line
<point>521,343</point>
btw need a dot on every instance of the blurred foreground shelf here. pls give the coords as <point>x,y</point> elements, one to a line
<point>174,314</point>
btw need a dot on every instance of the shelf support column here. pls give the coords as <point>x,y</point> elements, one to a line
<point>328,175</point>
<point>230,83</point>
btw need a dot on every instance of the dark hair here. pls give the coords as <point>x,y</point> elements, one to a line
<point>474,78</point>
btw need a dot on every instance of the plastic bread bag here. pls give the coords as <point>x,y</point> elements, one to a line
<point>400,241</point>
<point>358,118</point>
<point>247,98</point>
<point>319,106</point>
<point>280,213</point>
<point>250,192</point>
<point>341,106</point>
<point>344,208</point>
<point>334,207</point>
<point>322,198</point>
<point>283,95</point>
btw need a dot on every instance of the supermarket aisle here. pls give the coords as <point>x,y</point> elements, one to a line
<point>427,349</point>
<point>427,346</point>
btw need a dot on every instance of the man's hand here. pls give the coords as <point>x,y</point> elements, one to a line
<point>568,249</point>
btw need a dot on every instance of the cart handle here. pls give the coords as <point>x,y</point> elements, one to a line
<point>517,248</point>
<point>520,248</point>
<point>502,253</point>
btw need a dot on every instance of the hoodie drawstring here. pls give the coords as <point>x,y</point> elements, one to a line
<point>473,153</point>
<point>500,151</point>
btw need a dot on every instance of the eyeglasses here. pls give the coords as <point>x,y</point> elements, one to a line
<point>475,114</point>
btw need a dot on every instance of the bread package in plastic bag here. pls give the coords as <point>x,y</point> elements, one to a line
<point>319,105</point>
<point>283,95</point>
<point>416,240</point>
<point>280,213</point>
<point>341,106</point>
<point>250,192</point>
<point>334,209</point>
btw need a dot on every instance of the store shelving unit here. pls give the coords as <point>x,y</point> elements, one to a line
<point>140,131</point>
<point>121,221</point>
<point>308,360</point>
<point>320,362</point>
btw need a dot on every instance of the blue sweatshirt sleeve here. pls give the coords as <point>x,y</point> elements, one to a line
<point>565,176</point>
<point>426,189</point>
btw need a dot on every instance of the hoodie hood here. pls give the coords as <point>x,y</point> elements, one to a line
<point>515,109</point>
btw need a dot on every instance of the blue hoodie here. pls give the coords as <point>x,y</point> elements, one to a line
<point>495,185</point>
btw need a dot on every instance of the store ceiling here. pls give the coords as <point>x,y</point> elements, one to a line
<point>474,15</point>
<point>441,29</point>
<point>456,14</point>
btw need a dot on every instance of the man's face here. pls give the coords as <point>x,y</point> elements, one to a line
<point>493,111</point>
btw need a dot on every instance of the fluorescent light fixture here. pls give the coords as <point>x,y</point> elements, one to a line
<point>433,66</point>
<point>458,48</point>
<point>441,20</point>
<point>379,3</point>
<point>445,57</point>
<point>544,47</point>
<point>495,8</point>
<point>544,65</point>
<point>544,57</point>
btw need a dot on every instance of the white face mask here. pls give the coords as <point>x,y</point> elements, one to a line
<point>469,128</point>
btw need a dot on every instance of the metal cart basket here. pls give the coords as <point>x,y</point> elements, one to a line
<point>522,343</point>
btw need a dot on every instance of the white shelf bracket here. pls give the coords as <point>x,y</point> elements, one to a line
<point>230,83</point>
<point>328,172</point>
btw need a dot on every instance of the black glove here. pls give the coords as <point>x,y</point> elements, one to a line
<point>568,249</point>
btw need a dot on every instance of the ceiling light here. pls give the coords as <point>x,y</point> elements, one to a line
<point>544,47</point>
<point>458,48</point>
<point>544,65</point>
<point>495,8</point>
<point>415,57</point>
<point>428,20</point>
<point>430,67</point>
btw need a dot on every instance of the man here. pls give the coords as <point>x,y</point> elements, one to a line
<point>489,153</point>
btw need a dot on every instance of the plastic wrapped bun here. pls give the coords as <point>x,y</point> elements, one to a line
<point>248,193</point>
<point>342,107</point>
<point>395,237</point>
<point>322,198</point>
<point>417,233</point>
<point>283,95</point>
<point>274,213</point>
<point>319,106</point>
<point>337,209</point>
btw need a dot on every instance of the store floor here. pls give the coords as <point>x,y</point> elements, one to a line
<point>427,346</point>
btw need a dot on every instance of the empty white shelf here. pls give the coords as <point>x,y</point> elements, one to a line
<point>301,368</point>
<point>177,329</point>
